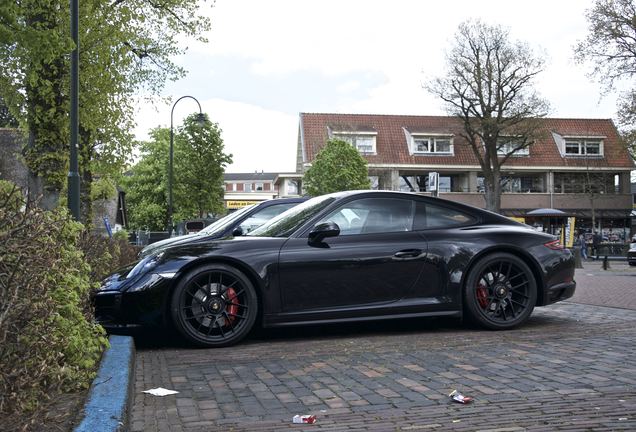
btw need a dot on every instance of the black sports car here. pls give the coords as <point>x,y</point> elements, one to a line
<point>347,256</point>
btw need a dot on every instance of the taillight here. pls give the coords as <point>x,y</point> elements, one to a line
<point>554,245</point>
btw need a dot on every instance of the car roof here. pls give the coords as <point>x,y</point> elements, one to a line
<point>486,215</point>
<point>276,201</point>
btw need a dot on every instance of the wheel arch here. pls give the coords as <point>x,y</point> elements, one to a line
<point>519,253</point>
<point>241,266</point>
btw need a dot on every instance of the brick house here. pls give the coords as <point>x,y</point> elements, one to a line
<point>243,189</point>
<point>552,173</point>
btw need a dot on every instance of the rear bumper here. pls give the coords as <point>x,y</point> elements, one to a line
<point>559,292</point>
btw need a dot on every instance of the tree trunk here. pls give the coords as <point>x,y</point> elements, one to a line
<point>86,176</point>
<point>492,186</point>
<point>47,121</point>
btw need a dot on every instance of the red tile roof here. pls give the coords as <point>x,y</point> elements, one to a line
<point>392,148</point>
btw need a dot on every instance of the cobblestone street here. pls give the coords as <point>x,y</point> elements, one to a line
<point>569,368</point>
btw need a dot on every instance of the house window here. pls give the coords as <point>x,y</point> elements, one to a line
<point>435,145</point>
<point>582,147</point>
<point>374,181</point>
<point>247,187</point>
<point>364,143</point>
<point>292,187</point>
<point>522,184</point>
<point>508,145</point>
<point>591,182</point>
<point>259,186</point>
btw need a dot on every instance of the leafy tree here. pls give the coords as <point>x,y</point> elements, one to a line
<point>610,47</point>
<point>147,183</point>
<point>199,168</point>
<point>126,47</point>
<point>337,167</point>
<point>488,87</point>
<point>199,164</point>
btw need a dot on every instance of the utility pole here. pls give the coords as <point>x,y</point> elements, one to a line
<point>73,173</point>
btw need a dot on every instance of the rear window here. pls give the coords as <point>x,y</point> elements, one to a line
<point>428,216</point>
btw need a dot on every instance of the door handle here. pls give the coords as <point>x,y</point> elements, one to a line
<point>408,253</point>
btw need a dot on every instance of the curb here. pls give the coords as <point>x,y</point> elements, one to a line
<point>106,408</point>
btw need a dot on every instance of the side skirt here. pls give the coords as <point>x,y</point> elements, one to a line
<point>276,321</point>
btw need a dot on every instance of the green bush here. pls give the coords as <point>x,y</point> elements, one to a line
<point>106,254</point>
<point>48,339</point>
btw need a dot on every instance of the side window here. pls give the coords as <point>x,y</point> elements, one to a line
<point>429,216</point>
<point>260,217</point>
<point>373,215</point>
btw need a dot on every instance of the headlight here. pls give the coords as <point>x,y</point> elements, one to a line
<point>145,265</point>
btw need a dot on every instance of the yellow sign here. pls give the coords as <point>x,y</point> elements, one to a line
<point>569,233</point>
<point>518,219</point>
<point>238,204</point>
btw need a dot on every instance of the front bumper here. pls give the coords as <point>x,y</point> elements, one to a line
<point>144,303</point>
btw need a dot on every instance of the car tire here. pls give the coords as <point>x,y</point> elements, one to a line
<point>500,292</point>
<point>214,305</point>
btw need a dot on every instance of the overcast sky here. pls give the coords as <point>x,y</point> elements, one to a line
<point>269,60</point>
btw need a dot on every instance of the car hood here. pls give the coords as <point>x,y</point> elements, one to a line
<point>157,247</point>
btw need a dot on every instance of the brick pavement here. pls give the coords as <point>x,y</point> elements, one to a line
<point>615,287</point>
<point>570,368</point>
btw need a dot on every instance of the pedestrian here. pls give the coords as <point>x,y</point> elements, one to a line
<point>596,241</point>
<point>583,245</point>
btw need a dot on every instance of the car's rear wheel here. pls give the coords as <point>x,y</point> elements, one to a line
<point>214,305</point>
<point>500,291</point>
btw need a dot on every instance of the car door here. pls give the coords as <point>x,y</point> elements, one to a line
<point>450,248</point>
<point>376,258</point>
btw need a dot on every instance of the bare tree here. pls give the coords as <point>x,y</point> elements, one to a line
<point>610,47</point>
<point>488,86</point>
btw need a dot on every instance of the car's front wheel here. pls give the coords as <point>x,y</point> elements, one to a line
<point>500,291</point>
<point>214,305</point>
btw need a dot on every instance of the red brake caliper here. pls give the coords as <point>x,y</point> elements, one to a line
<point>482,296</point>
<point>232,309</point>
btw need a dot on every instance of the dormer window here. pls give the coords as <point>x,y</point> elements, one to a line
<point>510,145</point>
<point>583,147</point>
<point>364,142</point>
<point>424,145</point>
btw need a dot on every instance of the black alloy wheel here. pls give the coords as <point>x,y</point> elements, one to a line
<point>214,305</point>
<point>500,291</point>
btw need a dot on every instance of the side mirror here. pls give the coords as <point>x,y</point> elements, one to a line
<point>238,231</point>
<point>322,231</point>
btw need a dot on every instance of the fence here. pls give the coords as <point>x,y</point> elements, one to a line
<point>144,238</point>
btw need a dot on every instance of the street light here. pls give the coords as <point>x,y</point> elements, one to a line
<point>201,121</point>
<point>73,171</point>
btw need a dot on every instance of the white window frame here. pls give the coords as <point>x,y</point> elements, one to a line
<point>583,143</point>
<point>432,144</point>
<point>259,187</point>
<point>506,146</point>
<point>247,187</point>
<point>352,138</point>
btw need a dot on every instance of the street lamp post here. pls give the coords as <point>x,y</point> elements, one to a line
<point>73,173</point>
<point>170,168</point>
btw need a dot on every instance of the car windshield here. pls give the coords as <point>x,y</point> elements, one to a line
<point>222,224</point>
<point>286,223</point>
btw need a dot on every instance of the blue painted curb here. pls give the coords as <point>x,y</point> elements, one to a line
<point>106,409</point>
